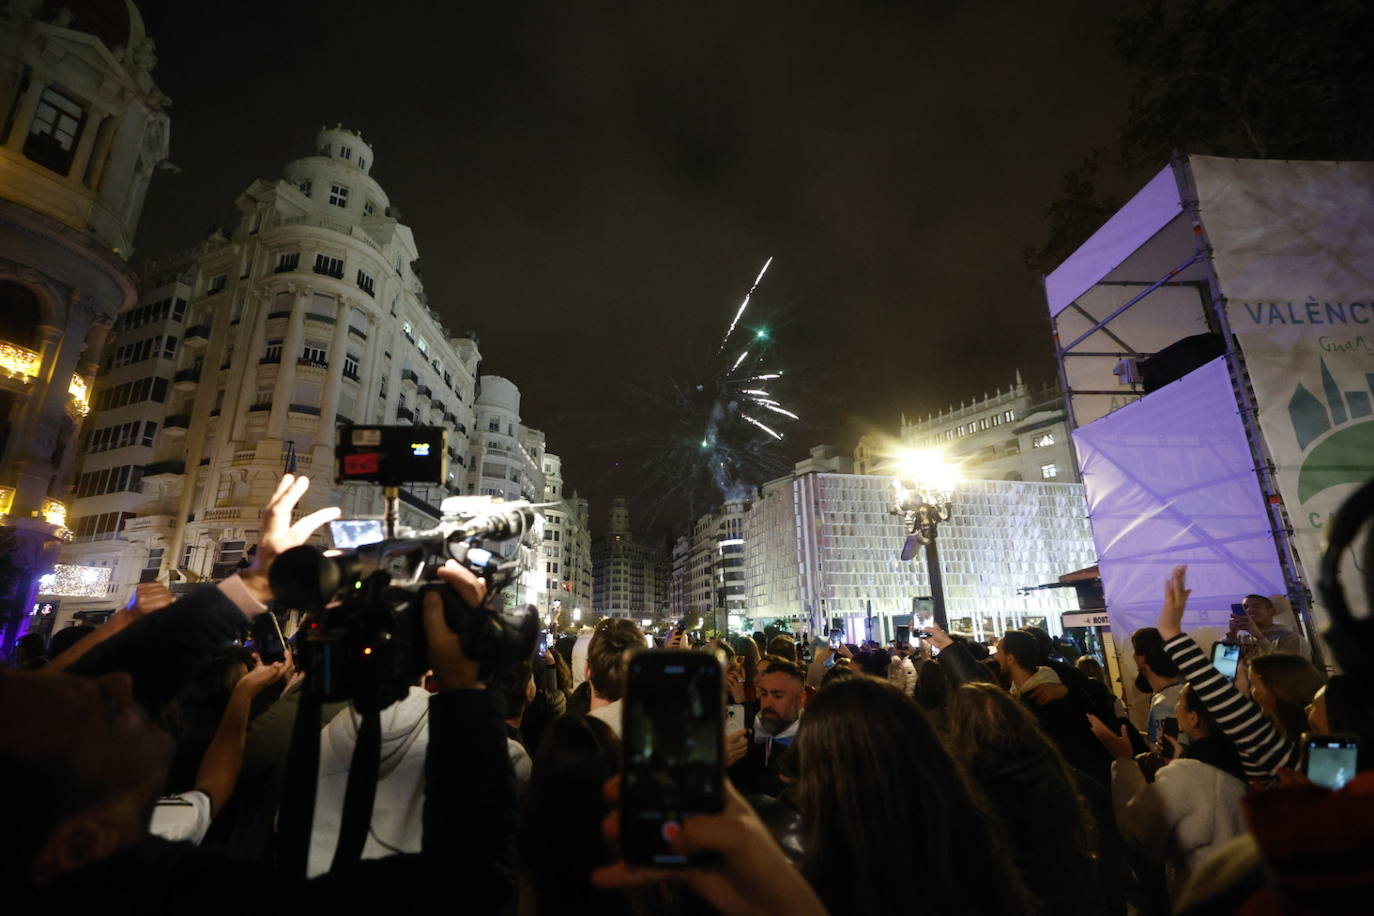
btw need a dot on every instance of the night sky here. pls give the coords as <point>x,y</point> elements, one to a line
<point>593,186</point>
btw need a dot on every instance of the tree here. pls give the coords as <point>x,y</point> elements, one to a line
<point>1275,79</point>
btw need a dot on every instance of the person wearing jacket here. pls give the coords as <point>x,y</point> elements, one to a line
<point>1192,808</point>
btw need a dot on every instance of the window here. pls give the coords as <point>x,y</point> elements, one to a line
<point>103,527</point>
<point>350,369</point>
<point>56,125</point>
<point>494,426</point>
<point>306,186</point>
<point>422,345</point>
<point>144,389</point>
<point>329,267</point>
<point>366,283</point>
<point>287,262</point>
<point>408,331</point>
<point>314,355</point>
<point>169,347</point>
<point>1048,471</point>
<point>369,207</point>
<point>1043,441</point>
<point>273,352</point>
<point>128,478</point>
<point>149,431</point>
<point>338,195</point>
<point>345,152</point>
<point>230,553</point>
<point>154,558</point>
<point>1009,415</point>
<point>216,285</point>
<point>362,163</point>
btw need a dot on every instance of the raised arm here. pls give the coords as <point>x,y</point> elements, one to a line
<point>1262,748</point>
<point>219,768</point>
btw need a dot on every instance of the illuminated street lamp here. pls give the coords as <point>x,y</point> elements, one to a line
<point>923,495</point>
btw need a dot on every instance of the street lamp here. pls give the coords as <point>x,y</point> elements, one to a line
<point>923,495</point>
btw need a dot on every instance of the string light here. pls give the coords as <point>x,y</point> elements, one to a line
<point>68,581</point>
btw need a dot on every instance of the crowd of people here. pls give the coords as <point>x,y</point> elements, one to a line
<point>145,763</point>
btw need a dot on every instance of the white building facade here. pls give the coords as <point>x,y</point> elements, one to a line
<point>1017,434</point>
<point>567,552</point>
<point>252,348</point>
<point>708,568</point>
<point>822,545</point>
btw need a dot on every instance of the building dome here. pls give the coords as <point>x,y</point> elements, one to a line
<point>344,145</point>
<point>499,394</point>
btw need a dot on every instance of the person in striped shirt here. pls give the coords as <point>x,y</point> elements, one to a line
<point>1264,750</point>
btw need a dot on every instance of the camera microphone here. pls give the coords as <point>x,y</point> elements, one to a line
<point>506,522</point>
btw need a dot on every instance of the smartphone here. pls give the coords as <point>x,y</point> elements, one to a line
<point>1226,658</point>
<point>903,635</point>
<point>673,747</point>
<point>835,636</point>
<point>347,533</point>
<point>1330,760</point>
<point>734,718</point>
<point>543,642</point>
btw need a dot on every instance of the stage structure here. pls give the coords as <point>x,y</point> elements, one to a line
<point>1215,341</point>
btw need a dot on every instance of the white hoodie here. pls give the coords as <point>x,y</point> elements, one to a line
<point>396,811</point>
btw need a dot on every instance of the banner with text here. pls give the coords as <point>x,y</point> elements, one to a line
<point>1294,254</point>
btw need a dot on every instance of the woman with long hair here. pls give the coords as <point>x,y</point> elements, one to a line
<point>1034,794</point>
<point>880,794</point>
<point>1283,685</point>
<point>560,832</point>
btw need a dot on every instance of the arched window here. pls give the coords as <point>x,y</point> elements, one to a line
<point>20,315</point>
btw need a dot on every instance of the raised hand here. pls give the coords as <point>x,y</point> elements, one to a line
<point>279,535</point>
<point>1118,745</point>
<point>1176,594</point>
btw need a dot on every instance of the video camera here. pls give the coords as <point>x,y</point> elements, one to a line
<point>363,596</point>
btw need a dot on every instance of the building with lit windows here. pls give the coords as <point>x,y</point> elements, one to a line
<point>84,128</point>
<point>241,359</point>
<point>708,569</point>
<point>1016,434</point>
<point>822,544</point>
<point>567,553</point>
<point>630,577</point>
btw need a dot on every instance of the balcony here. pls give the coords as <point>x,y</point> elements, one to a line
<point>439,406</point>
<point>357,332</point>
<point>176,424</point>
<point>312,363</point>
<point>403,413</point>
<point>186,380</point>
<point>164,467</point>
<point>351,376</point>
<point>424,391</point>
<point>322,319</point>
<point>304,409</point>
<point>408,375</point>
<point>259,408</point>
<point>148,522</point>
<point>270,359</point>
<point>283,313</point>
<point>18,362</point>
<point>198,335</point>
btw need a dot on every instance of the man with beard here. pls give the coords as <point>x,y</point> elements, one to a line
<point>781,696</point>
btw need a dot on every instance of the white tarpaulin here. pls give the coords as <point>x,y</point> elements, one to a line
<point>1170,480</point>
<point>1293,250</point>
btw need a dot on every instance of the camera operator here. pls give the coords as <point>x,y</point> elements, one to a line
<point>85,765</point>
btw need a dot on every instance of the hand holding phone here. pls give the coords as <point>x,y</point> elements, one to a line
<point>1330,760</point>
<point>673,752</point>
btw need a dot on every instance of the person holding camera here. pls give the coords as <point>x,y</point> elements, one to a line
<point>91,764</point>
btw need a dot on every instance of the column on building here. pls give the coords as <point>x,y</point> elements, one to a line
<point>291,350</point>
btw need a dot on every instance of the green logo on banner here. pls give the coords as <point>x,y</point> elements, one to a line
<point>1337,434</point>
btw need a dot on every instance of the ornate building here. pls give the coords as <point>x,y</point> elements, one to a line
<point>83,130</point>
<point>241,359</point>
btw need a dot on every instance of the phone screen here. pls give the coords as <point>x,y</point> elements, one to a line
<point>673,751</point>
<point>1331,759</point>
<point>834,639</point>
<point>543,641</point>
<point>1225,658</point>
<point>348,533</point>
<point>903,635</point>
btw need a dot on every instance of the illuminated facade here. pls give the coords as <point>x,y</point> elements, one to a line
<point>708,568</point>
<point>567,553</point>
<point>84,128</point>
<point>1015,434</point>
<point>240,359</point>
<point>822,544</point>
<point>630,577</point>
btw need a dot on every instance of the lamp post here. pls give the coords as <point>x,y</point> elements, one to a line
<point>923,497</point>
